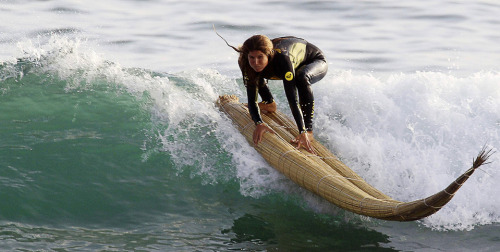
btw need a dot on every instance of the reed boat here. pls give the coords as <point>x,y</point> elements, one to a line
<point>327,176</point>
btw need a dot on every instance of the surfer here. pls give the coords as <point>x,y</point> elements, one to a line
<point>295,61</point>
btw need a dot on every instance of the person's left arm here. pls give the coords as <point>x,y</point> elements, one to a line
<point>289,82</point>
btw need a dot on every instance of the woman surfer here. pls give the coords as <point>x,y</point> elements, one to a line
<point>295,61</point>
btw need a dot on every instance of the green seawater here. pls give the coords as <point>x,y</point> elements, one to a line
<point>86,164</point>
<point>82,169</point>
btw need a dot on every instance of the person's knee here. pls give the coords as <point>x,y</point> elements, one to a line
<point>319,72</point>
<point>312,73</point>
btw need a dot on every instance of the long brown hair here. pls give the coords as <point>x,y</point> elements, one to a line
<point>259,43</point>
<point>256,42</point>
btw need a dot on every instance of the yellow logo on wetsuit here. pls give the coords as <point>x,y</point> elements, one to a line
<point>289,76</point>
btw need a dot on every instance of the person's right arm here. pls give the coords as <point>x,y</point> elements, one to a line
<point>253,108</point>
<point>260,126</point>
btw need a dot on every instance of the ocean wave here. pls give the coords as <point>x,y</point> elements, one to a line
<point>409,135</point>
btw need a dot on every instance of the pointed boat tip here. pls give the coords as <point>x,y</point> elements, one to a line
<point>432,204</point>
<point>223,99</point>
<point>483,156</point>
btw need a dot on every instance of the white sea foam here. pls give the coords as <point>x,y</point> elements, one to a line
<point>409,135</point>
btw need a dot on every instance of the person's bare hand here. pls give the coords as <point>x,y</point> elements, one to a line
<point>259,132</point>
<point>304,140</point>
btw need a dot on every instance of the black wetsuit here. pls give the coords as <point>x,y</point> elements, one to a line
<point>299,64</point>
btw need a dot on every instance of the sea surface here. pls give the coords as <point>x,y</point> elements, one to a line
<point>110,139</point>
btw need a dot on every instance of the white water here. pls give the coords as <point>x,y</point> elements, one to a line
<point>409,135</point>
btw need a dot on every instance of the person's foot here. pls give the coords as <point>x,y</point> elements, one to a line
<point>267,107</point>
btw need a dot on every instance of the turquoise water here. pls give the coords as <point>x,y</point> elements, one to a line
<point>80,171</point>
<point>110,139</point>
